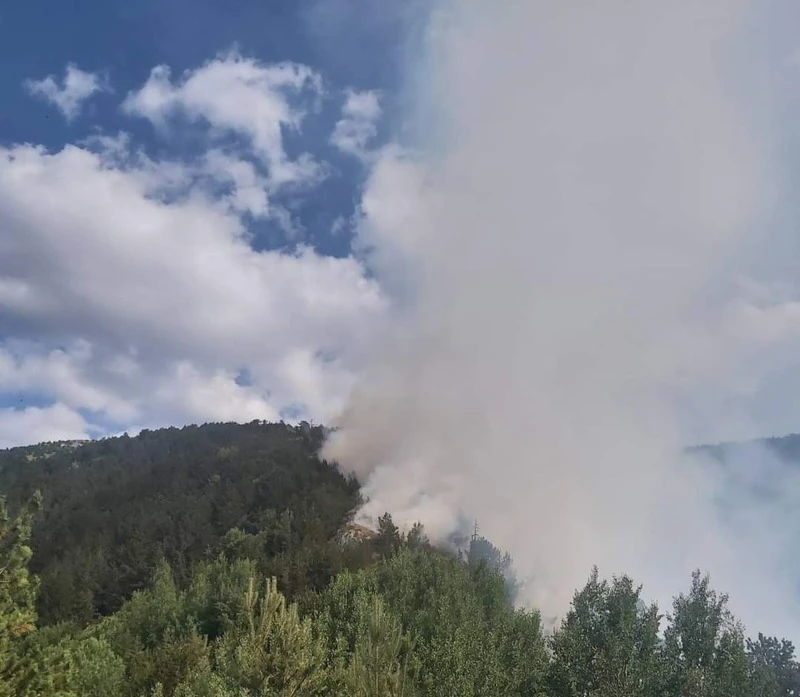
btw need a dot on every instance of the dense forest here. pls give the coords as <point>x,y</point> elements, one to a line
<point>221,561</point>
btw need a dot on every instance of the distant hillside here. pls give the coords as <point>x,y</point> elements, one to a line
<point>784,448</point>
<point>112,508</point>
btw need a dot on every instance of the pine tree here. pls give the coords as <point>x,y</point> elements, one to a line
<point>17,594</point>
<point>276,653</point>
<point>380,664</point>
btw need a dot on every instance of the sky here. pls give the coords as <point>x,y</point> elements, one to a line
<point>182,190</point>
<point>177,195</point>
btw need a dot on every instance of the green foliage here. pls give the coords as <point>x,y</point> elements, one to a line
<point>388,539</point>
<point>607,644</point>
<point>380,664</point>
<point>95,669</point>
<point>17,588</point>
<point>464,643</point>
<point>705,646</point>
<point>113,508</point>
<point>17,596</point>
<point>774,670</point>
<point>276,652</point>
<point>218,562</point>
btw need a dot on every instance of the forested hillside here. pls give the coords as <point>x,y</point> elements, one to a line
<point>211,562</point>
<point>112,509</point>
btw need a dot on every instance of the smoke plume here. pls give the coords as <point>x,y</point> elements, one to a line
<point>564,240</point>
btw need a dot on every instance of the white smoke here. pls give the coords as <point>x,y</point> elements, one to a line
<point>565,248</point>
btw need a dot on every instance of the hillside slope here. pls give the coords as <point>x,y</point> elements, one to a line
<point>217,561</point>
<point>113,508</point>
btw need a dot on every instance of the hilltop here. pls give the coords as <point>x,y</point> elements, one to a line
<point>113,508</point>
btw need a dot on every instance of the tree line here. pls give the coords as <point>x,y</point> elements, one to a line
<point>282,604</point>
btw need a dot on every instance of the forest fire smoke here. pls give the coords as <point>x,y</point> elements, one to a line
<point>559,243</point>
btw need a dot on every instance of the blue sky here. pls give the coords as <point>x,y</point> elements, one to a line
<point>355,44</point>
<point>66,71</point>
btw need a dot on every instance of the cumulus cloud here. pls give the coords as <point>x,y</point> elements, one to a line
<point>135,296</point>
<point>69,97</point>
<point>108,264</point>
<point>565,248</point>
<point>61,373</point>
<point>358,125</point>
<point>38,424</point>
<point>239,96</point>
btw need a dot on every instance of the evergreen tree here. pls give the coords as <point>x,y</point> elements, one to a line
<point>275,654</point>
<point>388,538</point>
<point>380,663</point>
<point>17,595</point>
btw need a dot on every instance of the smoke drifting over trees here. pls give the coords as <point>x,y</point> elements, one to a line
<point>568,238</point>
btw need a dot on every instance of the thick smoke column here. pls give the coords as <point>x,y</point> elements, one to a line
<point>561,247</point>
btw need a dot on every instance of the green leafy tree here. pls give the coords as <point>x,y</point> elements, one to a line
<point>482,552</point>
<point>156,634</point>
<point>466,636</point>
<point>113,508</point>
<point>17,587</point>
<point>704,646</point>
<point>417,537</point>
<point>773,667</point>
<point>95,670</point>
<point>607,645</point>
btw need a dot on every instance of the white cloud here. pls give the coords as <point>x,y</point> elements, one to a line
<point>36,424</point>
<point>163,300</point>
<point>249,187</point>
<point>237,95</point>
<point>135,294</point>
<point>209,396</point>
<point>358,125</point>
<point>70,96</point>
<point>245,189</point>
<point>62,374</point>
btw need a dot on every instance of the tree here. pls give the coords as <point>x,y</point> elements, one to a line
<point>481,551</point>
<point>704,646</point>
<point>275,653</point>
<point>417,536</point>
<point>17,594</point>
<point>380,663</point>
<point>607,645</point>
<point>388,538</point>
<point>774,670</point>
<point>113,508</point>
<point>95,669</point>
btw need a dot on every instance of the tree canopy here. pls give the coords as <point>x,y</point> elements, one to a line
<point>269,597</point>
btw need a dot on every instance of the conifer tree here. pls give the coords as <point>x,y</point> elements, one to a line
<point>380,665</point>
<point>276,653</point>
<point>17,594</point>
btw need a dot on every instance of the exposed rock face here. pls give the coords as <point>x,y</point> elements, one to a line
<point>353,532</point>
